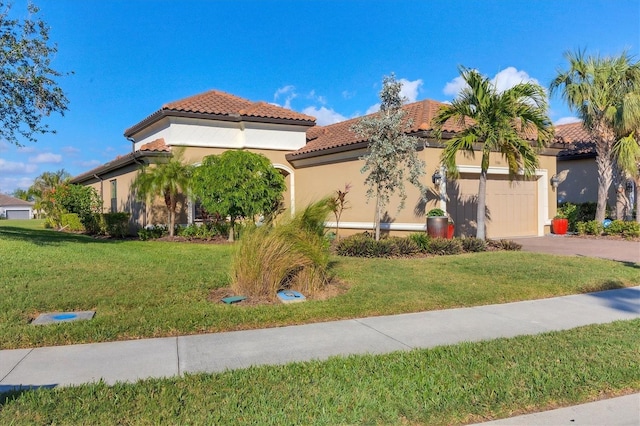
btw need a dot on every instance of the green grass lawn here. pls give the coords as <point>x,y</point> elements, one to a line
<point>469,382</point>
<point>152,289</point>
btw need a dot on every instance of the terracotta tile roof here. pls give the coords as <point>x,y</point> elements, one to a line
<point>337,135</point>
<point>157,145</point>
<point>7,200</point>
<point>223,104</point>
<point>576,139</point>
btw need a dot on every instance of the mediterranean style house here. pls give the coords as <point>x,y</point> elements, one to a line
<point>318,160</point>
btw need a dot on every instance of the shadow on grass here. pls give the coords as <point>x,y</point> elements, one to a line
<point>623,299</point>
<point>10,393</point>
<point>47,237</point>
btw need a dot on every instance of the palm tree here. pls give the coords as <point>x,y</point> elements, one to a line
<point>626,153</point>
<point>498,122</point>
<point>167,180</point>
<point>42,187</point>
<point>598,90</point>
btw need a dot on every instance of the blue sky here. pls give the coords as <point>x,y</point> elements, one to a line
<point>324,58</point>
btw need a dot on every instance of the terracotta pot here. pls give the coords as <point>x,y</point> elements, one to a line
<point>450,231</point>
<point>559,226</point>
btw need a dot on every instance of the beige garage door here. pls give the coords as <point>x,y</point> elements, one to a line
<point>512,208</point>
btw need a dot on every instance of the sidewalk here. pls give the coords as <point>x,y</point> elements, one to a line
<point>130,361</point>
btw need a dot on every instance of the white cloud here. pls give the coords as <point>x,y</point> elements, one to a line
<point>503,80</point>
<point>46,157</point>
<point>567,120</point>
<point>16,167</point>
<point>89,164</point>
<point>323,115</point>
<point>289,92</point>
<point>27,149</point>
<point>373,109</point>
<point>347,94</point>
<point>70,150</point>
<point>509,77</point>
<point>410,89</point>
<point>4,146</point>
<point>10,184</point>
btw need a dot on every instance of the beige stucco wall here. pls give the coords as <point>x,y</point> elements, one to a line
<point>579,181</point>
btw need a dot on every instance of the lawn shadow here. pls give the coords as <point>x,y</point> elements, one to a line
<point>624,299</point>
<point>9,393</point>
<point>48,237</point>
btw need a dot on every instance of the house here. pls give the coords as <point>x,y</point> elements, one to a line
<point>577,169</point>
<point>318,160</point>
<point>15,208</point>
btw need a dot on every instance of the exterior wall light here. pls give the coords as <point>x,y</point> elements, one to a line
<point>555,181</point>
<point>629,186</point>
<point>436,178</point>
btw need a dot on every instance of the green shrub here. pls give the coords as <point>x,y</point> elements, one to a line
<point>292,254</point>
<point>436,213</point>
<point>205,231</point>
<point>116,225</point>
<point>473,245</point>
<point>505,245</point>
<point>592,227</point>
<point>405,246</point>
<point>71,222</point>
<point>364,245</point>
<point>624,229</point>
<point>151,232</point>
<point>443,246</point>
<point>421,239</point>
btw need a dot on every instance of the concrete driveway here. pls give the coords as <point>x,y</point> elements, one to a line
<point>620,250</point>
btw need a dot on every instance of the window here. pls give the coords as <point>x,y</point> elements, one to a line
<point>114,196</point>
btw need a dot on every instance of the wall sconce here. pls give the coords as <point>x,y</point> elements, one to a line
<point>436,178</point>
<point>629,186</point>
<point>555,181</point>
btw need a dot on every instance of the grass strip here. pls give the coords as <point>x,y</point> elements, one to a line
<point>463,383</point>
<point>156,289</point>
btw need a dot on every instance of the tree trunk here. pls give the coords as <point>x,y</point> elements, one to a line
<point>231,231</point>
<point>377,219</point>
<point>604,143</point>
<point>171,214</point>
<point>637,185</point>
<point>482,205</point>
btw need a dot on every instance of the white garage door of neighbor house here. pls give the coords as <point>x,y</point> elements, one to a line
<point>17,214</point>
<point>511,206</point>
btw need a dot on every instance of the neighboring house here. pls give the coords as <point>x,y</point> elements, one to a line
<point>15,208</point>
<point>577,170</point>
<point>318,160</point>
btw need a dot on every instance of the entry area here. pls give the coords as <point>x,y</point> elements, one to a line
<point>512,207</point>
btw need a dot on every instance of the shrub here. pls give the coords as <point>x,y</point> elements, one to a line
<point>364,245</point>
<point>436,213</point>
<point>505,245</point>
<point>116,225</point>
<point>151,232</point>
<point>443,246</point>
<point>203,231</point>
<point>292,254</point>
<point>473,245</point>
<point>622,228</point>
<point>421,239</point>
<point>71,222</point>
<point>404,246</point>
<point>592,227</point>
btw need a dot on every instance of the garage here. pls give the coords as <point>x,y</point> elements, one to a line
<point>17,214</point>
<point>512,207</point>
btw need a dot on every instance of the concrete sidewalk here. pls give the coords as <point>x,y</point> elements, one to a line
<point>130,361</point>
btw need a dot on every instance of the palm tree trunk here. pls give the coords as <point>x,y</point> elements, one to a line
<point>482,205</point>
<point>171,215</point>
<point>232,231</point>
<point>377,218</point>
<point>605,177</point>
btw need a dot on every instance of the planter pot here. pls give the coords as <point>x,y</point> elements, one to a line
<point>559,226</point>
<point>437,226</point>
<point>450,231</point>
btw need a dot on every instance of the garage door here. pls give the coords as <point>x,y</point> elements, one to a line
<point>17,214</point>
<point>512,208</point>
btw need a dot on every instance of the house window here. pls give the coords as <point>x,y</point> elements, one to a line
<point>114,196</point>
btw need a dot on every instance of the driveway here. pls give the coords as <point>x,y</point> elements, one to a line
<point>620,250</point>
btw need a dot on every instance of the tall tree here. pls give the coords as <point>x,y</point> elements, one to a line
<point>392,157</point>
<point>42,186</point>
<point>627,155</point>
<point>167,180</point>
<point>28,91</point>
<point>493,121</point>
<point>22,194</point>
<point>596,88</point>
<point>238,184</point>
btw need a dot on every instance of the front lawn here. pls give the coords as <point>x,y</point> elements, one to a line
<point>469,382</point>
<point>152,289</point>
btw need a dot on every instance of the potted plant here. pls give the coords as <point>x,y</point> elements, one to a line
<point>560,223</point>
<point>451,229</point>
<point>437,223</point>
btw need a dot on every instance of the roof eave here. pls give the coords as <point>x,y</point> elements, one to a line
<point>116,164</point>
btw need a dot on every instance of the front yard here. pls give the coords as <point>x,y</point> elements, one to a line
<point>152,289</point>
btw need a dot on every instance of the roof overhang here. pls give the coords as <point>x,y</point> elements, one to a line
<point>125,160</point>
